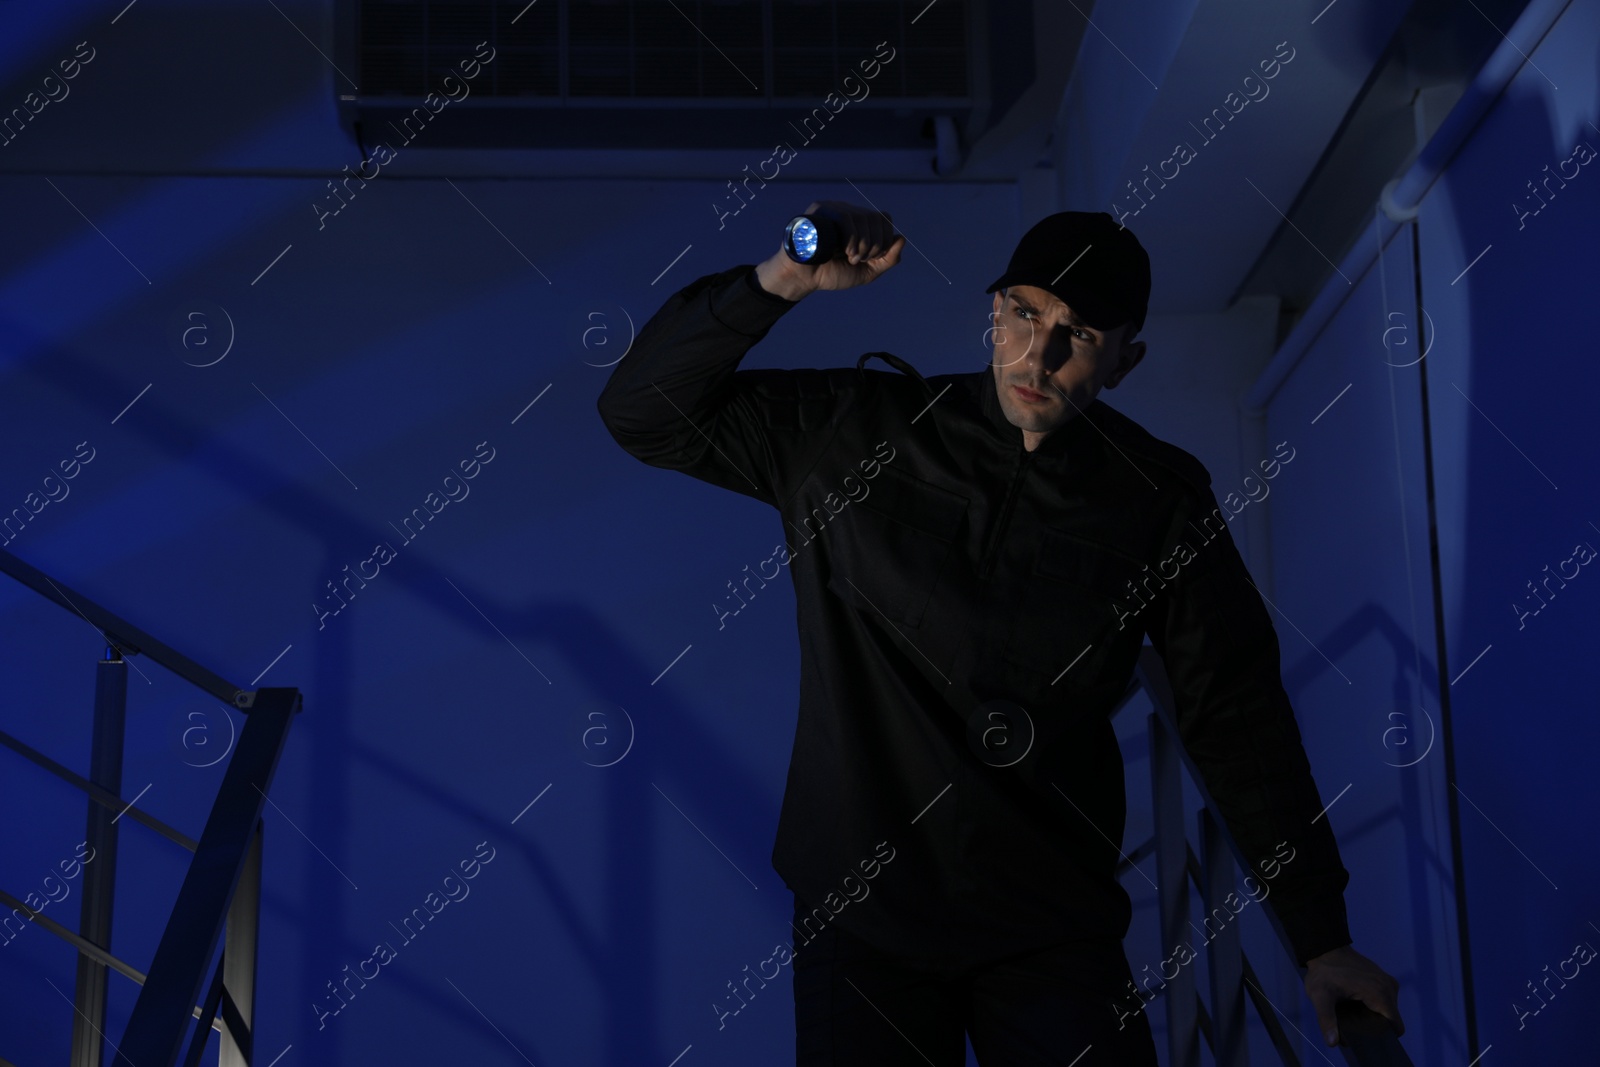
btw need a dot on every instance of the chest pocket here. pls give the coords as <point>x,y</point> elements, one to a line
<point>1067,615</point>
<point>888,550</point>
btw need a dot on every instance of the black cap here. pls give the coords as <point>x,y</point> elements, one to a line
<point>1098,268</point>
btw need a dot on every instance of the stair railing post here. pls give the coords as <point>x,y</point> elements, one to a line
<point>100,872</point>
<point>239,962</point>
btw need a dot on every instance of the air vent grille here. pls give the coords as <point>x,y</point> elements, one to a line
<point>661,49</point>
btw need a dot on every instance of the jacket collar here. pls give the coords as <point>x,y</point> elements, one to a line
<point>1078,438</point>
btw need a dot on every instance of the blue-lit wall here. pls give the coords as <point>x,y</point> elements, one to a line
<point>1508,387</point>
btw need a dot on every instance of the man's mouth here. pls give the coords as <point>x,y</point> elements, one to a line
<point>1033,396</point>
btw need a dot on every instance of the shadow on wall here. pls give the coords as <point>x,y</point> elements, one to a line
<point>701,771</point>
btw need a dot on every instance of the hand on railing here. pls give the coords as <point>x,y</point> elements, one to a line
<point>1372,1040</point>
<point>1349,990</point>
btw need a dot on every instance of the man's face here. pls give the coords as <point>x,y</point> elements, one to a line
<point>1048,365</point>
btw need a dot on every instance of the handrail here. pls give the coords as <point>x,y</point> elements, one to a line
<point>220,895</point>
<point>125,635</point>
<point>1366,1038</point>
<point>87,947</point>
<point>105,798</point>
<point>1402,196</point>
<point>160,1016</point>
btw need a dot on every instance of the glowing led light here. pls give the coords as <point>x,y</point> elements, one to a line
<point>803,239</point>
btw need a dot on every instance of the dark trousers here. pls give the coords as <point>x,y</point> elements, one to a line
<point>1067,1006</point>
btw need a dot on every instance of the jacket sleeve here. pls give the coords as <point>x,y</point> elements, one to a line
<point>1220,651</point>
<point>676,401</point>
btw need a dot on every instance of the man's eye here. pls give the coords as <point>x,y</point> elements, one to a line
<point>1021,314</point>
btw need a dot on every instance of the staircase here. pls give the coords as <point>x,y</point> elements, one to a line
<point>221,892</point>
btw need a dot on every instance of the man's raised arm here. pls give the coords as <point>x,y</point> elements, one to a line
<point>677,401</point>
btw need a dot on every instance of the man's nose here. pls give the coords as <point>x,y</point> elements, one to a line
<point>1049,350</point>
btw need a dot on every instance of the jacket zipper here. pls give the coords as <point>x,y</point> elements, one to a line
<point>1004,520</point>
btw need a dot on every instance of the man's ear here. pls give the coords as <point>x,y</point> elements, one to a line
<point>1132,353</point>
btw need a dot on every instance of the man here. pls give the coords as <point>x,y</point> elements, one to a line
<point>971,609</point>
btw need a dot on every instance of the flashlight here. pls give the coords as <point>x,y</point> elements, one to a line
<point>812,239</point>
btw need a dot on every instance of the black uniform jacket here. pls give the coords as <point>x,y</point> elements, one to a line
<point>969,614</point>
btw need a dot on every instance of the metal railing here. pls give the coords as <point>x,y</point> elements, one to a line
<point>1366,1038</point>
<point>219,899</point>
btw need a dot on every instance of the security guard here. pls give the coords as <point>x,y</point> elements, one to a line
<point>969,615</point>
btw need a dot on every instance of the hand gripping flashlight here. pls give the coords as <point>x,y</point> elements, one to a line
<point>814,239</point>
